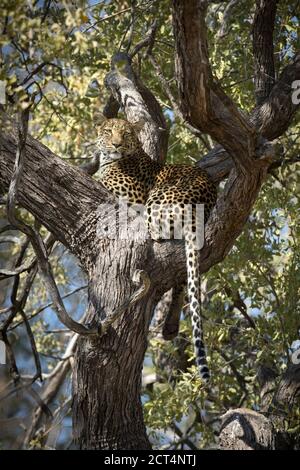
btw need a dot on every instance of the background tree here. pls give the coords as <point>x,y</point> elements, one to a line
<point>54,59</point>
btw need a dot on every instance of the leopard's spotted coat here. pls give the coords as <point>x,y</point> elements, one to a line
<point>127,171</point>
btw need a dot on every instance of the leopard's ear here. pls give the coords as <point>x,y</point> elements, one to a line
<point>138,125</point>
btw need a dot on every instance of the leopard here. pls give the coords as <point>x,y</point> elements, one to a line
<point>127,171</point>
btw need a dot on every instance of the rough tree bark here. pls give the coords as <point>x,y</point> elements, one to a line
<point>244,429</point>
<point>107,411</point>
<point>263,49</point>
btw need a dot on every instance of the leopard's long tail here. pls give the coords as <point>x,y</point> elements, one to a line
<point>194,293</point>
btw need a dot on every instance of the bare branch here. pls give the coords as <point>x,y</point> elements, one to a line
<point>33,346</point>
<point>105,18</point>
<point>240,305</point>
<point>52,386</point>
<point>44,307</point>
<point>148,40</point>
<point>139,104</point>
<point>239,378</point>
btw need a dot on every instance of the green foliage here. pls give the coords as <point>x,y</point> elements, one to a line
<point>264,268</point>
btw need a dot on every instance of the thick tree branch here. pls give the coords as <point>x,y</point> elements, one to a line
<point>203,103</point>
<point>263,49</point>
<point>167,89</point>
<point>274,116</point>
<point>59,195</point>
<point>225,223</point>
<point>271,119</point>
<point>244,429</point>
<point>139,104</point>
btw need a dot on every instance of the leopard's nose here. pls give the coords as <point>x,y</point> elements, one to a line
<point>117,144</point>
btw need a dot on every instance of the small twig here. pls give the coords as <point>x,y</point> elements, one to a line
<point>240,379</point>
<point>58,332</point>
<point>175,106</point>
<point>5,273</point>
<point>57,358</point>
<point>38,68</point>
<point>183,438</point>
<point>23,385</point>
<point>4,310</point>
<point>33,346</point>
<point>240,305</point>
<point>106,18</point>
<point>148,40</point>
<point>49,304</point>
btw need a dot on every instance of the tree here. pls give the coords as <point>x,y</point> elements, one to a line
<point>51,55</point>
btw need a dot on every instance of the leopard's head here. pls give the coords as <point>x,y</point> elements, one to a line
<point>117,138</point>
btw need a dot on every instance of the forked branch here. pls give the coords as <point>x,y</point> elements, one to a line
<point>203,103</point>
<point>138,104</point>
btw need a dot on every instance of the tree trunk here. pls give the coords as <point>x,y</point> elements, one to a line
<point>107,410</point>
